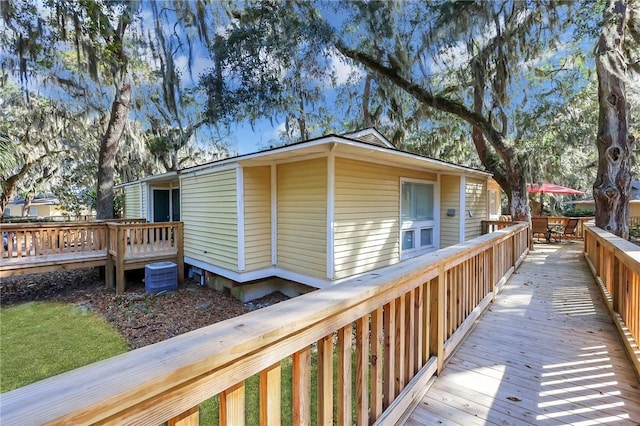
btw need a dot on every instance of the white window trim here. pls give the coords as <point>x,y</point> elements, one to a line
<point>433,224</point>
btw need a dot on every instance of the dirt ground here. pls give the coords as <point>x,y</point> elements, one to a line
<point>141,317</point>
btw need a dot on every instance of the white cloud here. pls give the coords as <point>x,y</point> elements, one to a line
<point>199,66</point>
<point>344,71</point>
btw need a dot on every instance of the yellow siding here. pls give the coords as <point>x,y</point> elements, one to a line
<point>476,202</point>
<point>257,217</point>
<point>209,213</point>
<point>302,217</point>
<point>132,202</point>
<point>450,199</point>
<point>367,214</point>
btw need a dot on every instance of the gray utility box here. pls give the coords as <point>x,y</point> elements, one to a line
<point>160,276</point>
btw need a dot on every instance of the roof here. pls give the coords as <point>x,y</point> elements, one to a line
<point>38,200</point>
<point>635,195</point>
<point>366,143</point>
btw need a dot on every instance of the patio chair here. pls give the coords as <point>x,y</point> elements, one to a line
<point>570,228</point>
<point>540,225</point>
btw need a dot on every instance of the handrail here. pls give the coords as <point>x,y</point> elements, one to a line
<point>42,239</point>
<point>489,226</point>
<point>615,264</point>
<point>408,319</point>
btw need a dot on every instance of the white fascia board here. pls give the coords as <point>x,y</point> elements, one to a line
<point>369,131</point>
<point>209,168</point>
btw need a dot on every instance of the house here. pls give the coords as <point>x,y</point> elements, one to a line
<point>42,206</point>
<point>316,212</point>
<point>589,204</point>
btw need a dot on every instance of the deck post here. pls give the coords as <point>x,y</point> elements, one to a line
<point>180,251</point>
<point>120,249</point>
<point>441,316</point>
<point>108,269</point>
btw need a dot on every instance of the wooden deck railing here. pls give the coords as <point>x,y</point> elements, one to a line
<point>489,226</point>
<point>26,240</point>
<point>615,263</point>
<point>125,244</point>
<point>399,324</point>
<point>133,244</point>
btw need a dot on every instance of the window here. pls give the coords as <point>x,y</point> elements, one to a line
<point>494,205</point>
<point>417,218</point>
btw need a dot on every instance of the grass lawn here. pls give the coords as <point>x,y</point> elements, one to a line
<point>42,339</point>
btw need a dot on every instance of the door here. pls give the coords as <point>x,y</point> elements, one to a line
<point>175,204</point>
<point>161,205</point>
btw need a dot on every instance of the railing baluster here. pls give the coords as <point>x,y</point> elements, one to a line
<point>409,337</point>
<point>232,406</point>
<point>389,313</point>
<point>400,325</point>
<point>301,387</point>
<point>362,370</point>
<point>325,380</point>
<point>418,324</point>
<point>270,395</point>
<point>377,364</point>
<point>343,385</point>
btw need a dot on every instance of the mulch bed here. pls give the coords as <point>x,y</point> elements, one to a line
<point>142,318</point>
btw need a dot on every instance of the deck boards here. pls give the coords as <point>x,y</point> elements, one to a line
<point>545,353</point>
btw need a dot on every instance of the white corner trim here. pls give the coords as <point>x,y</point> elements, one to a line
<point>240,210</point>
<point>141,201</point>
<point>274,214</point>
<point>331,196</point>
<point>463,208</point>
<point>436,212</point>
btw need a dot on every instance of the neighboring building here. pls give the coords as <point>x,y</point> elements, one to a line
<point>42,206</point>
<point>319,211</point>
<point>634,203</point>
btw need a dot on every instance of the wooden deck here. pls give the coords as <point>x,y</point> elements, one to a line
<point>546,353</point>
<point>118,245</point>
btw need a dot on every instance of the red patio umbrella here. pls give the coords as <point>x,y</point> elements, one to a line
<point>550,188</point>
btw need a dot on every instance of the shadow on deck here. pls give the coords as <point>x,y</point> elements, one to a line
<point>546,352</point>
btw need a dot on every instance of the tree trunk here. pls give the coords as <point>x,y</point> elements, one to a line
<point>613,180</point>
<point>28,199</point>
<point>10,184</point>
<point>108,150</point>
<point>520,209</point>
